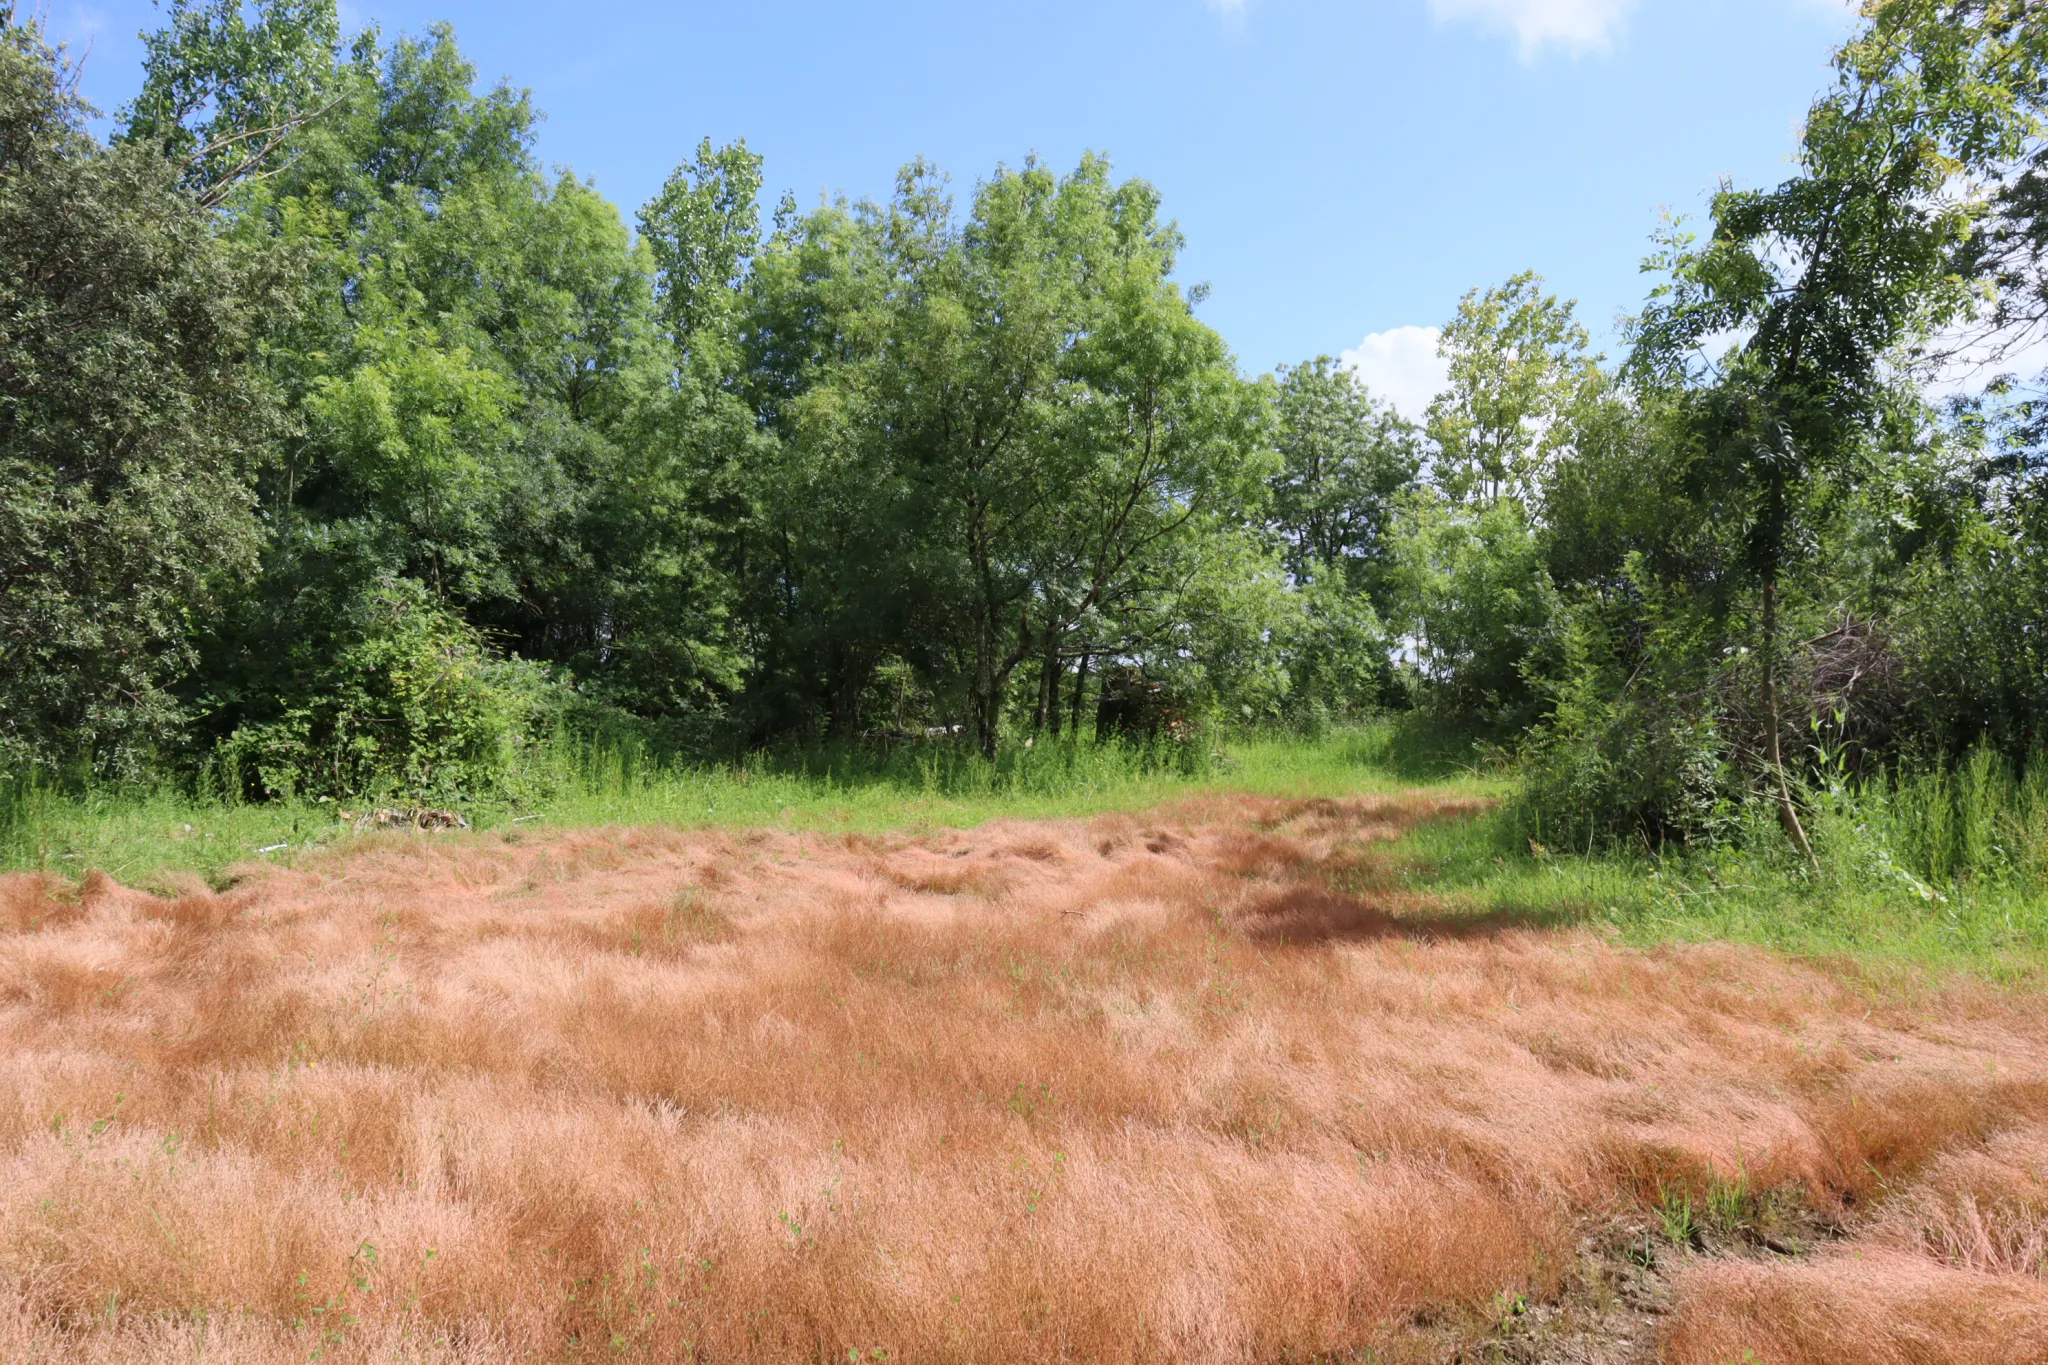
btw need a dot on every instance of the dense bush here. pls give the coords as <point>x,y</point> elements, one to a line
<point>1974,627</point>
<point>402,698</point>
<point>1338,653</point>
<point>1632,751</point>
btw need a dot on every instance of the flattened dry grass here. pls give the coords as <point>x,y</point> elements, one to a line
<point>1949,1272</point>
<point>1213,1082</point>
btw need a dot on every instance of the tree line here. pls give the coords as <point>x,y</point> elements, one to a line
<point>342,446</point>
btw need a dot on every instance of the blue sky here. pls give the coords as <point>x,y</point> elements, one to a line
<point>1343,171</point>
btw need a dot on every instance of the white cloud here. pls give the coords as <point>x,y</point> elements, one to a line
<point>1400,365</point>
<point>1577,26</point>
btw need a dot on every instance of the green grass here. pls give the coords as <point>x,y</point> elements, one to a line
<point>1866,901</point>
<point>142,836</point>
<point>1942,872</point>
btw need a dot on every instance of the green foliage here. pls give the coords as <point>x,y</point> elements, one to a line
<point>1470,588</point>
<point>226,90</point>
<point>390,451</point>
<point>132,413</point>
<point>1000,440</point>
<point>1517,367</point>
<point>1344,460</point>
<point>1337,651</point>
<point>489,406</point>
<point>1972,618</point>
<point>1951,826</point>
<point>1631,752</point>
<point>703,229</point>
<point>1829,279</point>
<point>402,699</point>
<point>1860,903</point>
<point>1223,605</point>
<point>417,435</point>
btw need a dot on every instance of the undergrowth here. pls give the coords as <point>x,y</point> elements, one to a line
<point>1941,868</point>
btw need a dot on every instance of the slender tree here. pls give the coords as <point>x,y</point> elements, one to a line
<point>1517,365</point>
<point>1827,280</point>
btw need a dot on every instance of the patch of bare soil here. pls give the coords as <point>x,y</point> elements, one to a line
<point>1207,1084</point>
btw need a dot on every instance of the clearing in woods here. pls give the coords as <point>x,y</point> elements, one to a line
<point>1209,1083</point>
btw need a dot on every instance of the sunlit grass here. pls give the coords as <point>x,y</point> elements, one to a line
<point>1146,1088</point>
<point>143,834</point>
<point>1859,903</point>
<point>1865,901</point>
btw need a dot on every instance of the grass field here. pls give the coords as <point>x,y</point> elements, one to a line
<point>139,835</point>
<point>1862,902</point>
<point>1294,1058</point>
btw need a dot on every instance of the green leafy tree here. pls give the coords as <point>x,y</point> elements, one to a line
<point>1477,605</point>
<point>133,410</point>
<point>1518,369</point>
<point>419,432</point>
<point>1345,458</point>
<point>1345,461</point>
<point>1826,279</point>
<point>704,228</point>
<point>487,400</point>
<point>230,89</point>
<point>1224,628</point>
<point>996,426</point>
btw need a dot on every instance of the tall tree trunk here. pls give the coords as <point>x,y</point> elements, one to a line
<point>1055,668</point>
<point>982,687</point>
<point>992,682</point>
<point>1080,691</point>
<point>1043,712</point>
<point>1788,810</point>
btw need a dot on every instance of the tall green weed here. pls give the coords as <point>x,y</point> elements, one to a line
<point>1980,822</point>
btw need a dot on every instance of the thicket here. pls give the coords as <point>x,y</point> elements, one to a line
<point>347,453</point>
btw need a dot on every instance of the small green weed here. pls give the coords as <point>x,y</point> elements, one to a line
<point>1675,1215</point>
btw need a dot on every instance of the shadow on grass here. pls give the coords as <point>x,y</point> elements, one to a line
<point>1421,747</point>
<point>1305,916</point>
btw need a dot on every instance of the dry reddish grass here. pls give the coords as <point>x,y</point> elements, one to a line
<point>1949,1272</point>
<point>1131,1090</point>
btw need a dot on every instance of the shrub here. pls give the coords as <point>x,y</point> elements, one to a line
<point>1974,637</point>
<point>1633,748</point>
<point>1637,768</point>
<point>407,700</point>
<point>1337,653</point>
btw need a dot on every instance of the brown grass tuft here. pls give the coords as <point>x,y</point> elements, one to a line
<point>1856,1309</point>
<point>1207,1084</point>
